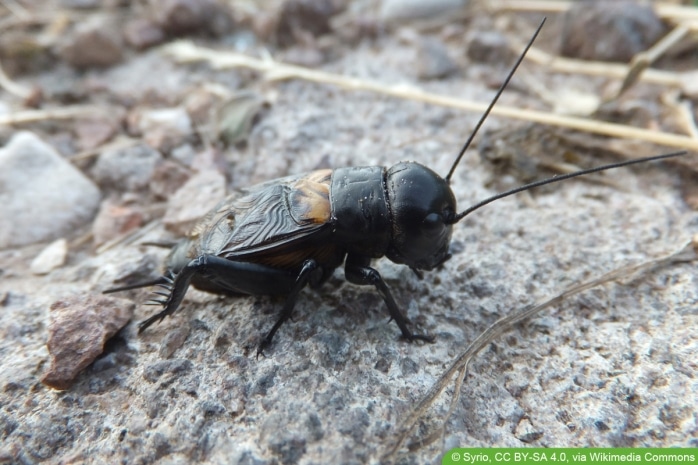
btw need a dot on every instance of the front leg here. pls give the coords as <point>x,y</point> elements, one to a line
<point>357,271</point>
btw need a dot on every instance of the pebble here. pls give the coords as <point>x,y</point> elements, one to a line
<point>193,200</point>
<point>302,17</point>
<point>42,196</point>
<point>81,4</point>
<point>433,60</point>
<point>115,219</point>
<point>609,31</point>
<point>165,129</point>
<point>94,132</point>
<point>127,168</point>
<point>489,47</point>
<point>167,178</point>
<point>395,11</point>
<point>142,33</point>
<point>179,17</point>
<point>52,257</point>
<point>184,154</point>
<point>78,329</point>
<point>526,432</point>
<point>94,44</point>
<point>211,158</point>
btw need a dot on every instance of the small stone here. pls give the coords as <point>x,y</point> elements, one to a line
<point>184,154</point>
<point>489,47</point>
<point>165,128</point>
<point>143,269</point>
<point>52,257</point>
<point>209,159</point>
<point>167,178</point>
<point>142,34</point>
<point>179,17</point>
<point>200,104</point>
<point>78,330</point>
<point>94,132</point>
<point>96,43</point>
<point>526,432</point>
<point>433,60</point>
<point>193,200</point>
<point>128,168</point>
<point>309,57</point>
<point>42,196</point>
<point>394,11</point>
<point>609,31</point>
<point>114,220</point>
<point>304,17</point>
<point>81,4</point>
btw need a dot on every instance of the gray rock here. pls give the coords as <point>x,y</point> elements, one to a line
<point>165,128</point>
<point>96,43</point>
<point>193,200</point>
<point>609,31</point>
<point>433,60</point>
<point>302,17</point>
<point>167,178</point>
<point>42,196</point>
<point>50,258</point>
<point>178,17</point>
<point>489,47</point>
<point>408,10</point>
<point>142,33</point>
<point>128,168</point>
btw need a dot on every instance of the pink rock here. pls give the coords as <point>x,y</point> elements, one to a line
<point>79,328</point>
<point>193,200</point>
<point>114,220</point>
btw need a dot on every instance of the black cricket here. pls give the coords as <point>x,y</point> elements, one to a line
<point>278,237</point>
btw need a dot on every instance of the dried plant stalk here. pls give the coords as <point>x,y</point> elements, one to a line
<point>185,51</point>
<point>31,116</point>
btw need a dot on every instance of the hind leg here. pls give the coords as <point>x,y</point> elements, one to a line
<point>220,275</point>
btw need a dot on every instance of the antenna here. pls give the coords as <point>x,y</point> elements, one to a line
<point>563,177</point>
<point>494,100</point>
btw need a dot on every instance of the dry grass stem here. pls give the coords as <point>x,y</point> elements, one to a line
<point>600,68</point>
<point>643,60</point>
<point>32,116</point>
<point>185,51</point>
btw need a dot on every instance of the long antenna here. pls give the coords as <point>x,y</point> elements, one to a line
<point>494,100</point>
<point>563,177</point>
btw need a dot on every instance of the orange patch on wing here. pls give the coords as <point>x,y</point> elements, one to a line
<point>309,198</point>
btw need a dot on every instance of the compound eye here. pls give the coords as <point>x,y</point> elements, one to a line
<point>432,222</point>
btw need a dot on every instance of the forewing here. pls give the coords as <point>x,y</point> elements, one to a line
<point>272,215</point>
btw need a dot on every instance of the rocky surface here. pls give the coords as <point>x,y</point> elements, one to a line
<point>614,366</point>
